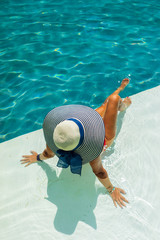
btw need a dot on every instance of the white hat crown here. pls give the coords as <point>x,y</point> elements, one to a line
<point>66,135</point>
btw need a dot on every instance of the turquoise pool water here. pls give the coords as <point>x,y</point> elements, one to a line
<point>64,52</point>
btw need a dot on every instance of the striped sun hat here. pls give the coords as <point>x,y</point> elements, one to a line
<point>84,125</point>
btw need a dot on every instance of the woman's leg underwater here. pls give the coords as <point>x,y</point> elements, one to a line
<point>109,110</point>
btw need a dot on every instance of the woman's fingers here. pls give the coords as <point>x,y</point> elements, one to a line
<point>115,204</point>
<point>28,164</point>
<point>26,156</point>
<point>24,160</point>
<point>124,199</point>
<point>119,203</point>
<point>118,198</point>
<point>33,152</point>
<point>122,191</point>
<point>122,203</point>
<point>29,159</point>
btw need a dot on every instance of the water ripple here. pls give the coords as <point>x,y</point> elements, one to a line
<point>47,50</point>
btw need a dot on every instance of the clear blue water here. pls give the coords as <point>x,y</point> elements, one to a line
<point>63,52</point>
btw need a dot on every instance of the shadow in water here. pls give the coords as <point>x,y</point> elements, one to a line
<point>74,196</point>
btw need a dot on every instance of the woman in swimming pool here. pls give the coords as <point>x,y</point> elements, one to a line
<point>78,134</point>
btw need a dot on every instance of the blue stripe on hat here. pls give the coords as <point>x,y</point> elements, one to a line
<point>81,130</point>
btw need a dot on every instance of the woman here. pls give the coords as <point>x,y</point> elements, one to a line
<point>78,134</point>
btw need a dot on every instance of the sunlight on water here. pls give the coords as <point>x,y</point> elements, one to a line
<point>53,55</point>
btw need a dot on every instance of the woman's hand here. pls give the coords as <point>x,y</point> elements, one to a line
<point>29,159</point>
<point>118,198</point>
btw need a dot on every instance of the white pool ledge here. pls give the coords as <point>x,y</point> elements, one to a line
<point>45,202</point>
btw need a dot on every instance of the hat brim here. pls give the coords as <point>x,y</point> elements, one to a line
<point>93,142</point>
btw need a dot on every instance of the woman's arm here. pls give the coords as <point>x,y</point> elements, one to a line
<point>103,177</point>
<point>47,153</point>
<point>29,159</point>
